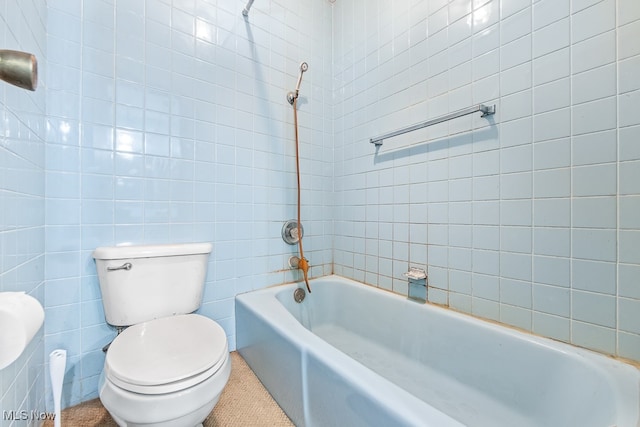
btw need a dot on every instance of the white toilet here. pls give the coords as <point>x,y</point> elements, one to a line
<point>168,368</point>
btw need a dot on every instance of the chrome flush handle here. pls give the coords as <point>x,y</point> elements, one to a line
<point>126,266</point>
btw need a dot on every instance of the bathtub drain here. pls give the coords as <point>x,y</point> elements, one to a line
<point>298,295</point>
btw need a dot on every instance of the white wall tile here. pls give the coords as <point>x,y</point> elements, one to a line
<point>628,10</point>
<point>629,207</point>
<point>594,148</point>
<point>546,12</point>
<point>594,244</point>
<point>628,245</point>
<point>487,287</point>
<point>552,96</point>
<point>593,336</point>
<point>629,310</point>
<point>516,79</point>
<point>485,16</point>
<point>516,159</point>
<point>516,212</point>
<point>552,154</point>
<point>594,52</point>
<point>594,276</point>
<point>552,66</point>
<point>594,116</point>
<point>552,300</point>
<point>629,345</point>
<point>509,7</point>
<point>515,26</point>
<point>551,38</point>
<point>552,271</point>
<point>595,212</point>
<point>516,186</point>
<point>594,308</point>
<point>578,5</point>
<point>594,20</point>
<point>516,132</point>
<point>552,241</point>
<point>552,125</point>
<point>595,180</point>
<point>628,105</point>
<point>486,65</point>
<point>516,293</point>
<point>626,34</point>
<point>628,71</point>
<point>594,84</point>
<point>516,266</point>
<point>552,183</point>
<point>518,105</point>
<point>552,326</point>
<point>516,53</point>
<point>552,212</point>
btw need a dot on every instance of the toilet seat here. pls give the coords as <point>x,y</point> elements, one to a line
<point>166,355</point>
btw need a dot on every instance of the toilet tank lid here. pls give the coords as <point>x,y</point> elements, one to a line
<point>148,251</point>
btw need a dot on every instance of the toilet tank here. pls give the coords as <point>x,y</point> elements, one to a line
<point>145,282</point>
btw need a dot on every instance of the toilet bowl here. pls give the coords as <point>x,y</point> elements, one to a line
<point>167,372</point>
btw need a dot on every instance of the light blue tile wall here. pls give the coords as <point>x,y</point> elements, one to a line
<point>168,122</point>
<point>22,204</point>
<point>529,217</point>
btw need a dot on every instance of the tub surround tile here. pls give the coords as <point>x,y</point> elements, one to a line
<point>516,316</point>
<point>552,271</point>
<point>592,336</point>
<point>546,12</point>
<point>627,71</point>
<point>552,326</point>
<point>593,308</point>
<point>593,20</point>
<point>599,147</point>
<point>629,345</point>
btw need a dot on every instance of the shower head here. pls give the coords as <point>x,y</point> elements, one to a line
<point>19,69</point>
<point>303,67</point>
<point>291,96</point>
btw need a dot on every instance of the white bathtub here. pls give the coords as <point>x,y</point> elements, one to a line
<point>353,355</point>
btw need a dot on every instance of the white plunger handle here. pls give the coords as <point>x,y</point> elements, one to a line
<point>57,365</point>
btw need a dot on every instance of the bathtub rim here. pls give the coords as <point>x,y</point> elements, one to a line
<point>415,410</point>
<point>496,325</point>
<point>615,370</point>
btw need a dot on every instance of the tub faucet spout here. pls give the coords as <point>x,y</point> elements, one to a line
<point>417,278</point>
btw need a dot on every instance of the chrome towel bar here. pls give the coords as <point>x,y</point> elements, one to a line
<point>486,110</point>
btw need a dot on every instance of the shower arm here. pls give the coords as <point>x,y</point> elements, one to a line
<point>246,9</point>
